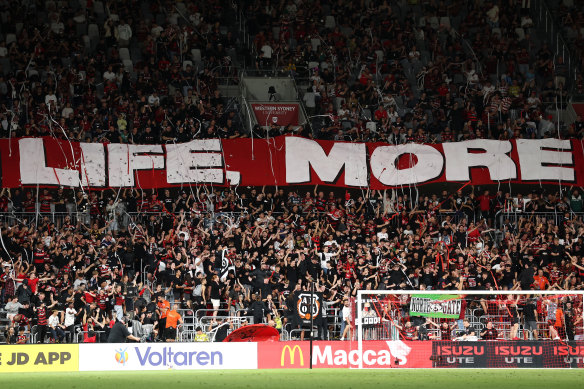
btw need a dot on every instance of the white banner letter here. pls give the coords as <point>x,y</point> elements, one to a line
<point>123,160</point>
<point>92,164</point>
<point>428,166</point>
<point>184,160</point>
<point>532,159</point>
<point>301,154</point>
<point>459,160</point>
<point>33,168</point>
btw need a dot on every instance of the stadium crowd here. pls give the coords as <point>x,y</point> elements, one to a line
<point>388,71</point>
<point>149,72</point>
<point>423,71</point>
<point>133,254</point>
<point>568,14</point>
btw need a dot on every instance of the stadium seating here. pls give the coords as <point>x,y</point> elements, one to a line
<point>397,72</point>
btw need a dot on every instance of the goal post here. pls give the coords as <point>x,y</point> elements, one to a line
<point>472,328</point>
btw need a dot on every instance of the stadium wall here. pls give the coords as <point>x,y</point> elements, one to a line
<point>284,355</point>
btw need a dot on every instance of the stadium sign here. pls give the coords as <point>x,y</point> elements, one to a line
<point>291,352</point>
<point>168,357</point>
<point>276,113</point>
<point>508,354</point>
<point>185,356</point>
<point>376,354</point>
<point>288,161</point>
<point>34,358</point>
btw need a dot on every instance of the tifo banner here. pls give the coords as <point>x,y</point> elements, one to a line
<point>508,354</point>
<point>278,113</point>
<point>156,356</point>
<point>304,310</point>
<point>376,354</point>
<point>436,305</point>
<point>38,358</point>
<point>288,161</point>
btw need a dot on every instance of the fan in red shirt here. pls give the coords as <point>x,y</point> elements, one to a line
<point>89,297</point>
<point>45,201</point>
<point>102,300</point>
<point>409,332</point>
<point>22,338</point>
<point>334,215</point>
<point>39,258</point>
<point>490,332</point>
<point>380,114</point>
<point>19,320</point>
<point>485,204</point>
<point>473,234</point>
<point>41,313</point>
<point>349,268</point>
<point>445,329</point>
<point>29,203</point>
<point>33,281</point>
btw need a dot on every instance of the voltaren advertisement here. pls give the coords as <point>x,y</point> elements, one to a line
<point>376,354</point>
<point>156,356</point>
<point>38,358</point>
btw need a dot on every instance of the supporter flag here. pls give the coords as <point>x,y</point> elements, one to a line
<point>226,265</point>
<point>254,333</point>
<point>303,308</point>
<point>435,305</point>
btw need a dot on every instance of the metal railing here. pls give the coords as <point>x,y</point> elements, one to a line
<point>209,325</point>
<point>99,336</point>
<point>513,216</point>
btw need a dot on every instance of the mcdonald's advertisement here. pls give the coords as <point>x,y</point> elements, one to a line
<point>376,354</point>
<point>39,358</point>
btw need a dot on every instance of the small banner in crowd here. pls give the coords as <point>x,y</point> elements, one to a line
<point>226,264</point>
<point>278,113</point>
<point>436,305</point>
<point>303,307</point>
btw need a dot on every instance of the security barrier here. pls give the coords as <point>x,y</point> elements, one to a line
<point>283,355</point>
<point>423,354</point>
<point>327,354</point>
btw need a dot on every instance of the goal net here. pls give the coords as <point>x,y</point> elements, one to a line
<point>491,329</point>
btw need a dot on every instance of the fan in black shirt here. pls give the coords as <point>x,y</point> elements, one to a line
<point>119,333</point>
<point>489,333</point>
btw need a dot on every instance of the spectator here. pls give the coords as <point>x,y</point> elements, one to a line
<point>490,332</point>
<point>173,319</point>
<point>200,336</point>
<point>119,333</point>
<point>362,80</point>
<point>56,328</point>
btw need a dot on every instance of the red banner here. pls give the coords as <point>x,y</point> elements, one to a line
<point>376,354</point>
<point>278,113</point>
<point>288,161</point>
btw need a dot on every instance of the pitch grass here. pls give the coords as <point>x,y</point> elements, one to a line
<point>303,379</point>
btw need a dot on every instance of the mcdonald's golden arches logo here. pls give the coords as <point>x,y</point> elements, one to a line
<point>291,354</point>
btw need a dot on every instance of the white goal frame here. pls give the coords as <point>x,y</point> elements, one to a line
<point>361,293</point>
